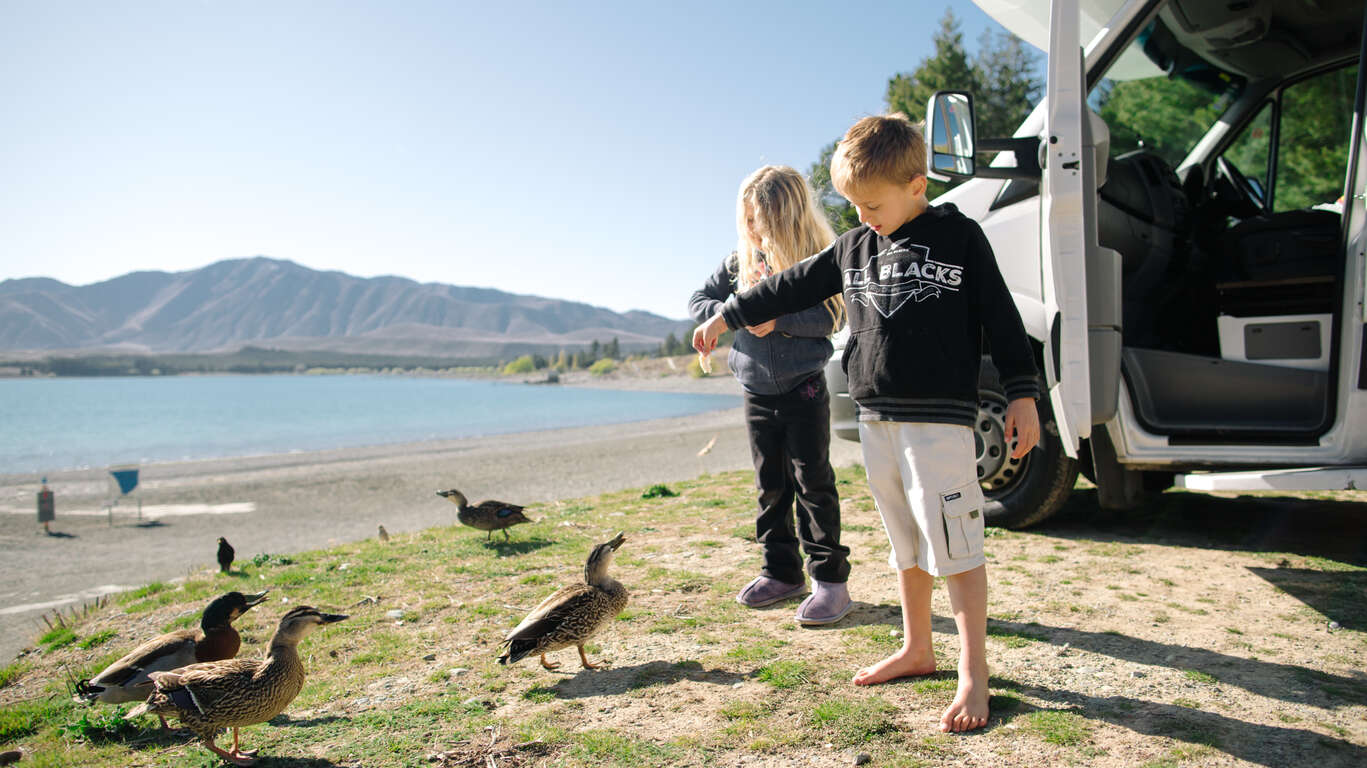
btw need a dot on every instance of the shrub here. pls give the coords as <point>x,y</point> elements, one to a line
<point>602,367</point>
<point>524,364</point>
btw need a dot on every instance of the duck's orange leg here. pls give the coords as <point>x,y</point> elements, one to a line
<point>585,660</point>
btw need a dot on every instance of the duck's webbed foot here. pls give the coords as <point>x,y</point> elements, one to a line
<point>585,660</point>
<point>549,664</point>
<point>235,757</point>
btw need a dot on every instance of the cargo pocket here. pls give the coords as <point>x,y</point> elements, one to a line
<point>961,510</point>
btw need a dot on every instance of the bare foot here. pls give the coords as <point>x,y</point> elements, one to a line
<point>969,710</point>
<point>904,663</point>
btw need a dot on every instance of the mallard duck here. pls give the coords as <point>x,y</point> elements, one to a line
<point>487,515</point>
<point>225,555</point>
<point>572,614</point>
<point>236,692</point>
<point>384,535</point>
<point>128,679</point>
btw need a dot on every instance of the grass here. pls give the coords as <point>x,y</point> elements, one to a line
<point>848,722</point>
<point>99,638</point>
<point>785,673</point>
<point>689,677</point>
<point>57,637</point>
<point>11,672</point>
<point>1061,727</point>
<point>1198,676</point>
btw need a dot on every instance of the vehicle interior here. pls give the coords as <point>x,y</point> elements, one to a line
<point>1233,255</point>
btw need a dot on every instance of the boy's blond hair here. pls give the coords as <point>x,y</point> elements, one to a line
<point>885,148</point>
<point>789,222</point>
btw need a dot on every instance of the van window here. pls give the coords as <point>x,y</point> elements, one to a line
<point>1312,145</point>
<point>1163,115</point>
<point>1250,152</point>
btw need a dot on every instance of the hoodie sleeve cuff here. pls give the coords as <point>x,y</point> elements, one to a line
<point>1021,386</point>
<point>730,311</point>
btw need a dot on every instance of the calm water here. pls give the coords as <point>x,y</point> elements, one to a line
<point>50,424</point>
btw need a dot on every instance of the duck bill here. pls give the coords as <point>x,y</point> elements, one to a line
<point>332,618</point>
<point>255,600</point>
<point>617,540</point>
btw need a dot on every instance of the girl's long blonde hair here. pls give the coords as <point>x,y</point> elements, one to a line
<point>789,224</point>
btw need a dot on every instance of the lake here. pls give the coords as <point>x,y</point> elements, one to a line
<point>72,423</point>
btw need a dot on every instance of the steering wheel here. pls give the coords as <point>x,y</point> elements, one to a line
<point>1248,196</point>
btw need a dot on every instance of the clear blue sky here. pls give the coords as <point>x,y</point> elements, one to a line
<point>588,151</point>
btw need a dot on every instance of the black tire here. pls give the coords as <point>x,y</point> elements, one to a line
<point>1020,492</point>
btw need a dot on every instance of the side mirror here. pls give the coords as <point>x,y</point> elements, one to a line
<point>949,136</point>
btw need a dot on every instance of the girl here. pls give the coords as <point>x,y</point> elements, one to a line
<point>787,408</point>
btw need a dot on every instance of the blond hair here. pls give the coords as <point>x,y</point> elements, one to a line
<point>789,225</point>
<point>887,148</point>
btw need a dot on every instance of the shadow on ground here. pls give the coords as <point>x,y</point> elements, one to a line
<point>516,547</point>
<point>1269,745</point>
<point>619,680</point>
<point>1335,530</point>
<point>1335,594</point>
<point>1283,682</point>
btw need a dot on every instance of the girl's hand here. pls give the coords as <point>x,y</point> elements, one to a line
<point>705,335</point>
<point>1022,422</point>
<point>763,329</point>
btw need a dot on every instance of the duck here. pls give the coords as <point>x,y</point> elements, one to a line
<point>128,679</point>
<point>572,614</point>
<point>487,515</point>
<point>225,555</point>
<point>234,693</point>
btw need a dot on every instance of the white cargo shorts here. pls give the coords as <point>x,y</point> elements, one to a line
<point>924,479</point>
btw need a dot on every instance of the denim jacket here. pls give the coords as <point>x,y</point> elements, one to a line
<point>776,364</point>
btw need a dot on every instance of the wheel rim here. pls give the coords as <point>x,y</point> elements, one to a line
<point>997,471</point>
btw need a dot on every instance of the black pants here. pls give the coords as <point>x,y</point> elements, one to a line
<point>790,441</point>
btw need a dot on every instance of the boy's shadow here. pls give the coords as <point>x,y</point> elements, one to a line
<point>60,535</point>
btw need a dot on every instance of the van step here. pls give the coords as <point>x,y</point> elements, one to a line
<point>1305,479</point>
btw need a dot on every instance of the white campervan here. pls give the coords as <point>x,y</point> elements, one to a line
<point>1195,285</point>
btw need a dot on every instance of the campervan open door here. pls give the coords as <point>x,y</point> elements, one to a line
<point>1064,230</point>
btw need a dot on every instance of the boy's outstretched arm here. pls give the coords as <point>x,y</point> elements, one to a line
<point>705,336</point>
<point>1022,420</point>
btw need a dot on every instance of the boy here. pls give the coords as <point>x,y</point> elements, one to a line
<point>921,290</point>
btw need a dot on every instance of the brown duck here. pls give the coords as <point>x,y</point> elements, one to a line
<point>572,614</point>
<point>128,679</point>
<point>236,692</point>
<point>487,515</point>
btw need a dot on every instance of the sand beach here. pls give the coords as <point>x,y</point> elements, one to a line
<point>285,503</point>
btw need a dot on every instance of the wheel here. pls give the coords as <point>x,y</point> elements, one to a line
<point>1026,491</point>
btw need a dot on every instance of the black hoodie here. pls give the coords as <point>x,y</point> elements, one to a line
<point>919,303</point>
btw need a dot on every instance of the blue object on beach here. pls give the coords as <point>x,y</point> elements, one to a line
<point>126,478</point>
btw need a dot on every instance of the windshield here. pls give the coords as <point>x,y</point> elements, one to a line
<point>1165,114</point>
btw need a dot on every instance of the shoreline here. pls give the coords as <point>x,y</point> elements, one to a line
<point>281,503</point>
<point>634,379</point>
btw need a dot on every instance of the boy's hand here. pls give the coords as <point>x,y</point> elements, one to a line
<point>763,329</point>
<point>1022,421</point>
<point>705,335</point>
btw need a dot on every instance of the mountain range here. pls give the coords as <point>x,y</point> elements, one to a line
<point>278,304</point>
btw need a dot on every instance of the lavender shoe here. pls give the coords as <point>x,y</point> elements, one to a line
<point>766,591</point>
<point>829,603</point>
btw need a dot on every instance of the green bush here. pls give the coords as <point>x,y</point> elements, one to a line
<point>524,364</point>
<point>602,367</point>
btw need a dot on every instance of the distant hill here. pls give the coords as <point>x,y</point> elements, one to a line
<point>279,304</point>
